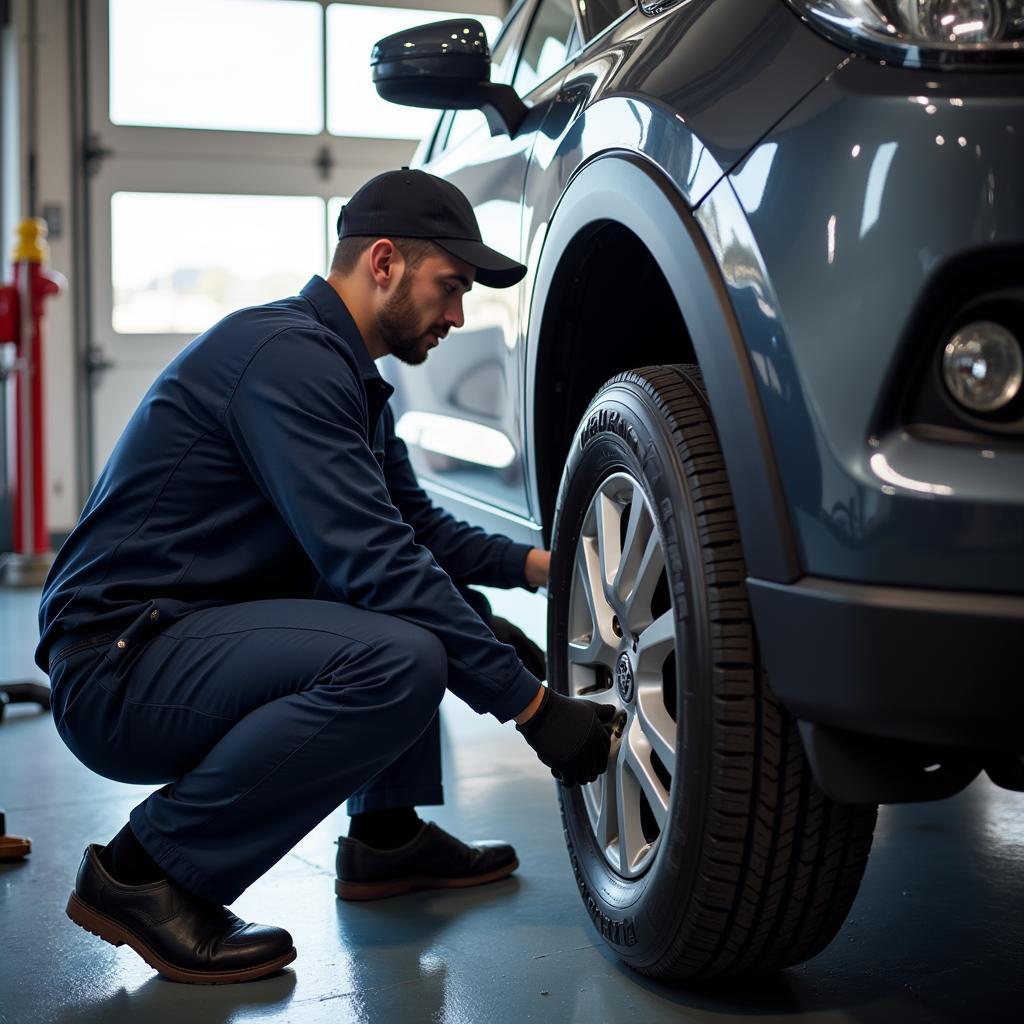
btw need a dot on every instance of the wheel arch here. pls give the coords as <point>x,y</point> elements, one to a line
<point>619,201</point>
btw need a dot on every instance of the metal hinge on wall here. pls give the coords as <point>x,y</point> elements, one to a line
<point>93,154</point>
<point>324,162</point>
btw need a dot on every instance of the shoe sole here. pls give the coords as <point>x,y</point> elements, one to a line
<point>106,928</point>
<point>398,886</point>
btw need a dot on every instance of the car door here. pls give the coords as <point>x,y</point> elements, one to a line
<point>461,412</point>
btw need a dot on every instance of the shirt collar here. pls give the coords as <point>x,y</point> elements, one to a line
<point>334,315</point>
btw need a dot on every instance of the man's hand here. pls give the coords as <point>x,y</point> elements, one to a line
<point>572,736</point>
<point>538,563</point>
<point>532,655</point>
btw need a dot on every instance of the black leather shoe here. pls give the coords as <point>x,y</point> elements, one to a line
<point>182,936</point>
<point>433,860</point>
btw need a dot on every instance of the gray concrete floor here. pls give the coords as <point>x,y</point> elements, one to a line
<point>935,935</point>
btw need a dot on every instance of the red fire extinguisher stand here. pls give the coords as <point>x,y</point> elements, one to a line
<point>22,306</point>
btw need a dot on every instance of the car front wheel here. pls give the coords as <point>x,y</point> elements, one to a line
<point>706,850</point>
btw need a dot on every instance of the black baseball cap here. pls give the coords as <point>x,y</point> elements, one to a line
<point>414,204</point>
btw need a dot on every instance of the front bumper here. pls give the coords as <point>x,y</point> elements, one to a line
<point>937,668</point>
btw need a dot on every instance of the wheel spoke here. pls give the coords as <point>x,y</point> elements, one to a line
<point>655,723</point>
<point>637,753</point>
<point>595,651</point>
<point>590,647</point>
<point>585,578</point>
<point>608,514</point>
<point>622,785</point>
<point>656,642</point>
<point>651,566</point>
<point>604,800</point>
<point>638,530</point>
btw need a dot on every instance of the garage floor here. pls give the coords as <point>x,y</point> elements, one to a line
<point>937,933</point>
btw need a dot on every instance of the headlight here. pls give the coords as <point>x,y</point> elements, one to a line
<point>920,32</point>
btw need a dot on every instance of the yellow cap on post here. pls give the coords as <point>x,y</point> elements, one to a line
<point>31,246</point>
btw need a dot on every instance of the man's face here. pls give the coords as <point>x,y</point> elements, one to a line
<point>426,304</point>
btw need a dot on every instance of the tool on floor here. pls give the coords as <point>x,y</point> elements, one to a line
<point>12,847</point>
<point>24,693</point>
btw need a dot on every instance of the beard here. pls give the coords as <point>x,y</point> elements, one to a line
<point>399,326</point>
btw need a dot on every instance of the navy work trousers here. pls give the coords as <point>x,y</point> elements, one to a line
<point>260,718</point>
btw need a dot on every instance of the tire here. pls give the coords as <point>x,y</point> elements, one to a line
<point>726,858</point>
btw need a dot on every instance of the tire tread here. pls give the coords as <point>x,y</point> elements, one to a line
<point>780,863</point>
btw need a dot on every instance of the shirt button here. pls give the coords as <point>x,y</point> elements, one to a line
<point>154,615</point>
<point>122,644</point>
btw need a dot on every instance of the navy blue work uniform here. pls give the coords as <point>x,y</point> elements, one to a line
<point>257,606</point>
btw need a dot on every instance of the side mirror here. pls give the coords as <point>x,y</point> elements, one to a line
<point>447,66</point>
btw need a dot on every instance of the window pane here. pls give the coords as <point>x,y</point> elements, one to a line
<point>181,262</point>
<point>217,64</point>
<point>464,124</point>
<point>545,50</point>
<point>599,14</point>
<point>353,106</point>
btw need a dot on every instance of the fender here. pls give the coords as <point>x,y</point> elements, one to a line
<point>627,189</point>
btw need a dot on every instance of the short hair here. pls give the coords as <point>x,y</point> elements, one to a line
<point>346,255</point>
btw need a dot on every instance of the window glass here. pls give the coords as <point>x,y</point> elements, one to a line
<point>217,64</point>
<point>463,123</point>
<point>599,14</point>
<point>546,47</point>
<point>182,261</point>
<point>353,106</point>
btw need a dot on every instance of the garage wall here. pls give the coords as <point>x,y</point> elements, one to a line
<point>53,28</point>
<point>52,183</point>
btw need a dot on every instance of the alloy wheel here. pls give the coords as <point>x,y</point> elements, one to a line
<point>622,651</point>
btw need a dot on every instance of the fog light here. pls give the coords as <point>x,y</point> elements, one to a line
<point>983,366</point>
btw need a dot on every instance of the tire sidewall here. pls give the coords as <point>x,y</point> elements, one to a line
<point>623,430</point>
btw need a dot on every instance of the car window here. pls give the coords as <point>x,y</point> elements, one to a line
<point>547,44</point>
<point>599,14</point>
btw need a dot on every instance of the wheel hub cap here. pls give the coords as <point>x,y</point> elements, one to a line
<point>624,679</point>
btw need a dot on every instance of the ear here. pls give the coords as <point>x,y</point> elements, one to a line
<point>385,263</point>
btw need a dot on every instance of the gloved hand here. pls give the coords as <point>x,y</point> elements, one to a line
<point>531,654</point>
<point>572,736</point>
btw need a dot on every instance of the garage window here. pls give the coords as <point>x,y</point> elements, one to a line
<point>217,64</point>
<point>181,262</point>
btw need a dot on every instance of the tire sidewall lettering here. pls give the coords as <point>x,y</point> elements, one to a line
<point>614,436</point>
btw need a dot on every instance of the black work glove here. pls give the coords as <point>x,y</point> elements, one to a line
<point>531,654</point>
<point>572,736</point>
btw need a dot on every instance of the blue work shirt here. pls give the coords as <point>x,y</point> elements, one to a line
<point>263,464</point>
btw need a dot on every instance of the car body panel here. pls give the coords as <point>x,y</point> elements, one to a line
<point>601,101</point>
<point>826,271</point>
<point>805,206</point>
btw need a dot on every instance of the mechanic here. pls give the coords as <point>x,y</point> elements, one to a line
<point>260,609</point>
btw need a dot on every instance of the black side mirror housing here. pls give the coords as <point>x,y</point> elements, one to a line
<point>445,65</point>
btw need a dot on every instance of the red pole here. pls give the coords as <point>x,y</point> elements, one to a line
<point>33,284</point>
